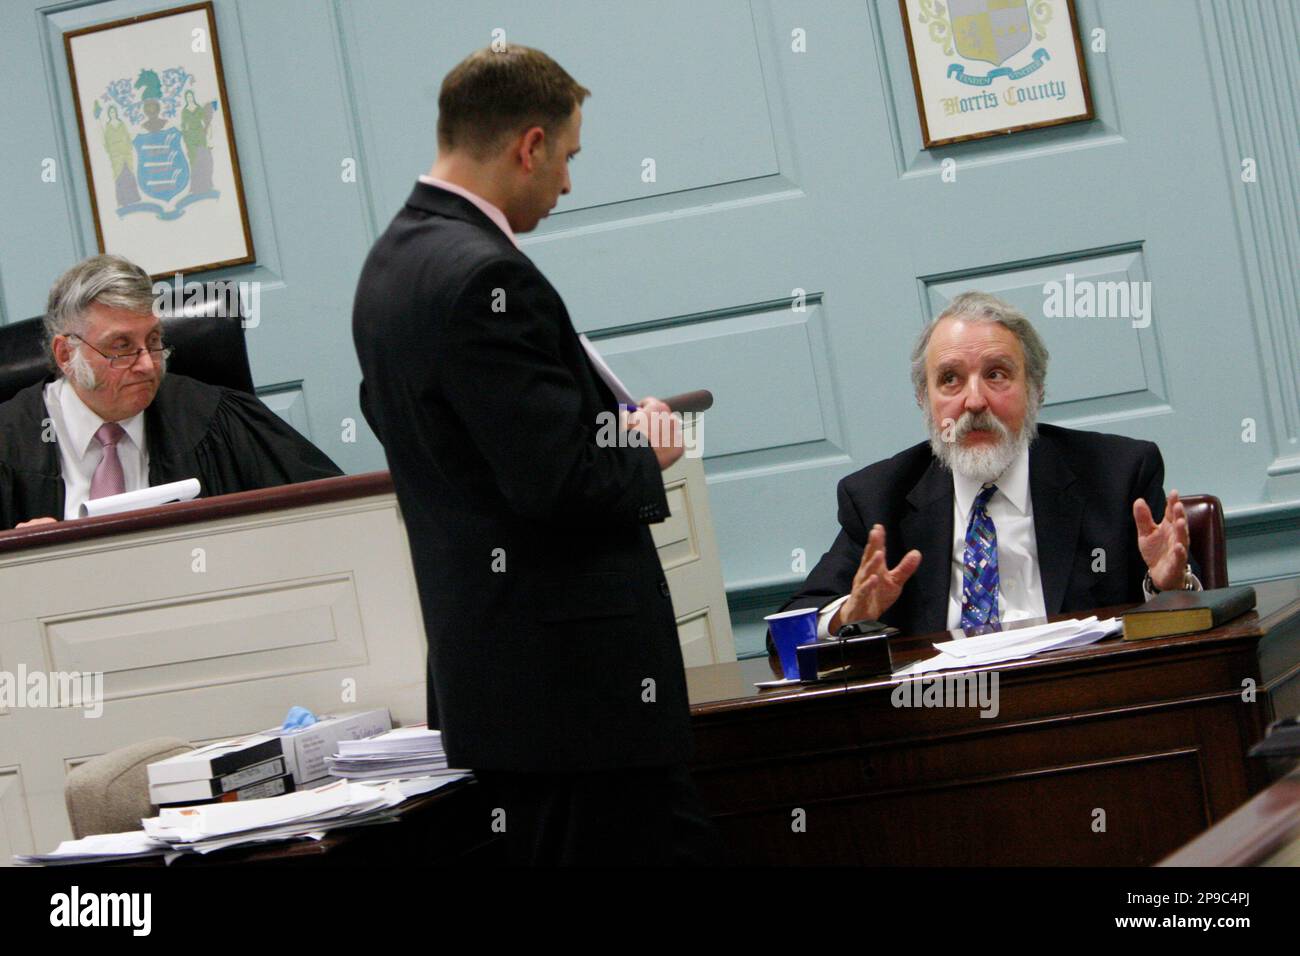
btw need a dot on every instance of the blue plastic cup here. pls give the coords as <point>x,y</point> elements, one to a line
<point>789,630</point>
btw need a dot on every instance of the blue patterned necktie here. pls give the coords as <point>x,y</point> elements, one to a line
<point>979,578</point>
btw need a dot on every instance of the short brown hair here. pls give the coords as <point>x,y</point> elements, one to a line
<point>491,93</point>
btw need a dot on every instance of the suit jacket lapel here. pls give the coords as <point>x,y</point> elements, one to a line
<point>928,528</point>
<point>1058,513</point>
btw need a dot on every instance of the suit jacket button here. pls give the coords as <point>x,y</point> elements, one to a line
<point>663,588</point>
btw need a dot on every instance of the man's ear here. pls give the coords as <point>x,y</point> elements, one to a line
<point>62,350</point>
<point>532,146</point>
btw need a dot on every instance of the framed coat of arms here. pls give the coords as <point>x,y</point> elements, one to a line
<point>158,143</point>
<point>991,67</point>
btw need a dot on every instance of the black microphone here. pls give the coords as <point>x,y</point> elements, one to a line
<point>700,400</point>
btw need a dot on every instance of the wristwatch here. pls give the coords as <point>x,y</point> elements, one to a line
<point>1189,582</point>
<point>865,627</point>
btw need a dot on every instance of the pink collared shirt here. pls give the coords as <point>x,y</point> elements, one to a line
<point>489,210</point>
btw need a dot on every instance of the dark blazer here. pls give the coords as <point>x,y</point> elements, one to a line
<point>1082,485</point>
<point>227,439</point>
<point>552,642</point>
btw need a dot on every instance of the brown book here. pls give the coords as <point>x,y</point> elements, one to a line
<point>1186,612</point>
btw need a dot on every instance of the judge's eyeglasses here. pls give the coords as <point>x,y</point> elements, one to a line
<point>158,353</point>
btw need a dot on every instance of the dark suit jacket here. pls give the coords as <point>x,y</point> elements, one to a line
<point>227,439</point>
<point>545,605</point>
<point>1082,485</point>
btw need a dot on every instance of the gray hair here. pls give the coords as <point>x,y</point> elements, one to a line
<point>105,279</point>
<point>983,307</point>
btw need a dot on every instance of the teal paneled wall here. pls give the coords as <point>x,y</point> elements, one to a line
<point>782,179</point>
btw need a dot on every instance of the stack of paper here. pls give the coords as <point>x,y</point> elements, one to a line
<point>1013,644</point>
<point>101,846</point>
<point>405,752</point>
<point>306,814</point>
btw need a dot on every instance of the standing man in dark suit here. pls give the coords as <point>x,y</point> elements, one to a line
<point>996,518</point>
<point>554,667</point>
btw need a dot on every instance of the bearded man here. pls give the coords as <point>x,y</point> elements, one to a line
<point>996,518</point>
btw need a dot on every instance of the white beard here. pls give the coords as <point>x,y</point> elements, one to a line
<point>79,371</point>
<point>982,463</point>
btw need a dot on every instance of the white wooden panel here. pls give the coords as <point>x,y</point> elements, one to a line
<point>15,830</point>
<point>292,607</point>
<point>697,639</point>
<point>154,648</point>
<point>315,606</point>
<point>688,552</point>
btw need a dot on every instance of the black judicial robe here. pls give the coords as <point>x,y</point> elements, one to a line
<point>226,439</point>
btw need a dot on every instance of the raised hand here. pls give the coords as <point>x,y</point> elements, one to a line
<point>875,586</point>
<point>1164,546</point>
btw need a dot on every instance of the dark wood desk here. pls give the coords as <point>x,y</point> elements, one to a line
<point>1115,753</point>
<point>1153,733</point>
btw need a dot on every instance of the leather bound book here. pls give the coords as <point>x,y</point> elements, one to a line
<point>1186,612</point>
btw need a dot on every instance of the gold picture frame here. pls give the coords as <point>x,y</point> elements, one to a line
<point>1036,75</point>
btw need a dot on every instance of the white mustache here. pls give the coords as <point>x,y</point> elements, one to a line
<point>984,421</point>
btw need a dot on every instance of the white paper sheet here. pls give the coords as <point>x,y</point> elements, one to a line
<point>1082,632</point>
<point>986,643</point>
<point>606,373</point>
<point>98,846</point>
<point>185,824</point>
<point>143,498</point>
<point>401,740</point>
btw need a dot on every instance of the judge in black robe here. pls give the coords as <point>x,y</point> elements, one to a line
<point>226,439</point>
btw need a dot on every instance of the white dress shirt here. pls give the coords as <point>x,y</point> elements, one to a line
<point>1020,587</point>
<point>80,454</point>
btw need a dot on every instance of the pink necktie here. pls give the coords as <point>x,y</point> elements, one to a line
<point>108,479</point>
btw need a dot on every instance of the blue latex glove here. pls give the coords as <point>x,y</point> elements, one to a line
<point>297,718</point>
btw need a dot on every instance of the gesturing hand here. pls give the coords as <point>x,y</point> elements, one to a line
<point>1164,546</point>
<point>875,587</point>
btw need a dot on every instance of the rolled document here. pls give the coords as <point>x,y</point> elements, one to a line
<point>144,498</point>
